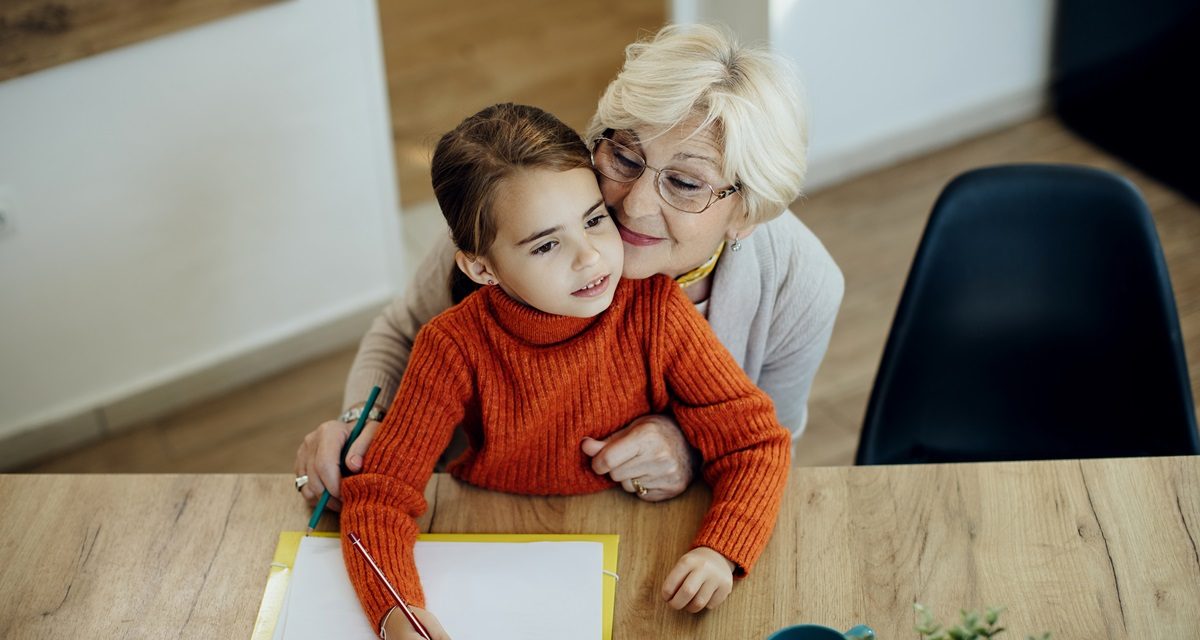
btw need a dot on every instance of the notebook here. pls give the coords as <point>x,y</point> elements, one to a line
<point>493,586</point>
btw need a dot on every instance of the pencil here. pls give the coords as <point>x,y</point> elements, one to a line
<point>358,427</point>
<point>403,606</point>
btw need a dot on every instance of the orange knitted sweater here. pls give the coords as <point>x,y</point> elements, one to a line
<point>529,386</point>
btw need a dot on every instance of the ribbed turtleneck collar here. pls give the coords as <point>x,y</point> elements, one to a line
<point>536,327</point>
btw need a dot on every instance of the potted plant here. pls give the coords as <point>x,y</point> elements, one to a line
<point>972,626</point>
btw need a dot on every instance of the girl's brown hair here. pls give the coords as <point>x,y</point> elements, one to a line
<point>473,159</point>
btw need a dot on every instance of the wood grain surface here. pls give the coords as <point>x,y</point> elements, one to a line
<point>1091,549</point>
<point>36,34</point>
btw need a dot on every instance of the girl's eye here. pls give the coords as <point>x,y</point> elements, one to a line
<point>591,222</point>
<point>543,248</point>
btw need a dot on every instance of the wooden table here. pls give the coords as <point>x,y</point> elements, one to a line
<point>1092,549</point>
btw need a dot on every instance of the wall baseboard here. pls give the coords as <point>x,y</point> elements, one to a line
<point>120,415</point>
<point>938,133</point>
<point>21,449</point>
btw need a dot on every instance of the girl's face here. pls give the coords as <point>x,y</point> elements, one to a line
<point>657,237</point>
<point>556,247</point>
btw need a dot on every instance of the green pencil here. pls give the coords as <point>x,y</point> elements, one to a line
<point>358,427</point>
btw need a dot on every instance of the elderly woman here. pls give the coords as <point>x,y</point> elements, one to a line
<point>691,111</point>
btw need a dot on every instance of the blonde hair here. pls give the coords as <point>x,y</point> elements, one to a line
<point>750,97</point>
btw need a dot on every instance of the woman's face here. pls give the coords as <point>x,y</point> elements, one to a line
<point>657,237</point>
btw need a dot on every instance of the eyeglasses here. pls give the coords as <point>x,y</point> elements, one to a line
<point>682,191</point>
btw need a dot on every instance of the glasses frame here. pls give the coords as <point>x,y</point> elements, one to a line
<point>714,195</point>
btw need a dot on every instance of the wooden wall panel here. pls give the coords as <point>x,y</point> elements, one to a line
<point>36,34</point>
<point>446,59</point>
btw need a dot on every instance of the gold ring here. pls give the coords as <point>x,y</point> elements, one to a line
<point>637,486</point>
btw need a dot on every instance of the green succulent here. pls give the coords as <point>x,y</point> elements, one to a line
<point>972,625</point>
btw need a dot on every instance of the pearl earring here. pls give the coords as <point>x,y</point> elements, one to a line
<point>736,246</point>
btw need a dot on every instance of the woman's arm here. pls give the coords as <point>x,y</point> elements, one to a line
<point>384,351</point>
<point>796,288</point>
<point>381,360</point>
<point>801,327</point>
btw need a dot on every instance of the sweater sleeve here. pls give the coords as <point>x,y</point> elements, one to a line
<point>382,503</point>
<point>384,351</point>
<point>747,453</point>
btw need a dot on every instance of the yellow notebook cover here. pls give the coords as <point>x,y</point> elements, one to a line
<point>288,546</point>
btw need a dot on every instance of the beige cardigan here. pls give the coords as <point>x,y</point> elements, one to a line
<point>772,304</point>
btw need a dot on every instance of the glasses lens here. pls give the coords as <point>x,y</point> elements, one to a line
<point>617,162</point>
<point>684,192</point>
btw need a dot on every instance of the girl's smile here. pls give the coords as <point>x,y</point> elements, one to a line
<point>594,288</point>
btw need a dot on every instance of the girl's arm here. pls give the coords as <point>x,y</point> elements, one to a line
<point>746,452</point>
<point>382,503</point>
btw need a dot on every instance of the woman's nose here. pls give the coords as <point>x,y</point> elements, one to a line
<point>640,197</point>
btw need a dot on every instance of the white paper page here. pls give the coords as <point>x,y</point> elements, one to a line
<point>492,591</point>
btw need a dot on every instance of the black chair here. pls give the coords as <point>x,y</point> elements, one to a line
<point>1037,322</point>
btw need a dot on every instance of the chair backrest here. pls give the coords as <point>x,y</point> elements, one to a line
<point>1037,322</point>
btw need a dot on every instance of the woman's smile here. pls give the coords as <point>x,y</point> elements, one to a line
<point>635,238</point>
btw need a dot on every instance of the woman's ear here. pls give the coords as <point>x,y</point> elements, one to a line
<point>740,226</point>
<point>740,232</point>
<point>476,268</point>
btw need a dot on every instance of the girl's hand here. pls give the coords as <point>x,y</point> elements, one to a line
<point>651,450</point>
<point>702,579</point>
<point>397,626</point>
<point>318,454</point>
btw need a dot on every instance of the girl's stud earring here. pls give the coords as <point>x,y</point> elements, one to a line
<point>490,281</point>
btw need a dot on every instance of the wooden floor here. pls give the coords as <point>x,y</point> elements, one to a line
<point>871,225</point>
<point>465,54</point>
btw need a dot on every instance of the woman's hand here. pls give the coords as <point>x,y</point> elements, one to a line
<point>397,626</point>
<point>702,579</point>
<point>652,451</point>
<point>318,455</point>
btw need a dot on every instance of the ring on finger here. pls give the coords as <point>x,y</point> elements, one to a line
<point>638,488</point>
<point>301,481</point>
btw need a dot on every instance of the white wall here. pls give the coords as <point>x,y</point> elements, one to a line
<point>189,200</point>
<point>889,80</point>
<point>751,19</point>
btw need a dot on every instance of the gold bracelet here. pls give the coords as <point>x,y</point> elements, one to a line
<point>350,416</point>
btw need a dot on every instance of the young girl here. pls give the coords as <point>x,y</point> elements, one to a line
<point>555,348</point>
